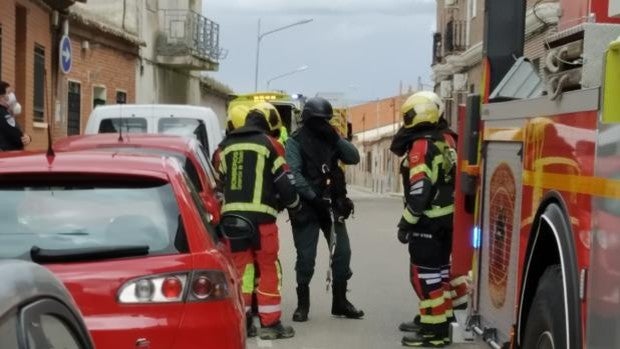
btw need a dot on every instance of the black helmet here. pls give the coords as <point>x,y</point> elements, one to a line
<point>317,107</point>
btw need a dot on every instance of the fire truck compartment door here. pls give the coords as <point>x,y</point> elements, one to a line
<point>500,238</point>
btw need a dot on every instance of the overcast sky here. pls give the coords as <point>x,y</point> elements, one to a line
<point>361,48</point>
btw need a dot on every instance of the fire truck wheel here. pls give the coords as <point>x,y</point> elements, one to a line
<point>545,327</point>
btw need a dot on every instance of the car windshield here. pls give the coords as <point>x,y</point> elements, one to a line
<point>129,125</point>
<point>64,216</point>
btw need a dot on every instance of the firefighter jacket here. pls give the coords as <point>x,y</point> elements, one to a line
<point>311,160</point>
<point>255,175</point>
<point>428,171</point>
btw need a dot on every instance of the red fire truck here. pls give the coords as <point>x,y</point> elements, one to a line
<point>542,189</point>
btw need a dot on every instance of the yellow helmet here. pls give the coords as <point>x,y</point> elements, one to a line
<point>270,113</point>
<point>419,110</point>
<point>236,117</point>
<point>433,97</point>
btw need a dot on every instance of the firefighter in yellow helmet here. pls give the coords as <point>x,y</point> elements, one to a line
<point>428,169</point>
<point>236,117</point>
<point>256,181</point>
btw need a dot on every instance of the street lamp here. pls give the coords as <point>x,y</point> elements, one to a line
<point>262,35</point>
<point>298,70</point>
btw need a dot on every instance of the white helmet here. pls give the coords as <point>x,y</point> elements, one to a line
<point>435,98</point>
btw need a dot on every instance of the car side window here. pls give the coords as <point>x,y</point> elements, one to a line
<point>8,331</point>
<point>48,323</point>
<point>204,214</point>
<point>192,172</point>
<point>206,164</point>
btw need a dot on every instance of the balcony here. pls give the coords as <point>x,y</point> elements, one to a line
<point>455,37</point>
<point>187,40</point>
<point>61,5</point>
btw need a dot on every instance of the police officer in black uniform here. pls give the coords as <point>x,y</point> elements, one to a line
<point>312,153</point>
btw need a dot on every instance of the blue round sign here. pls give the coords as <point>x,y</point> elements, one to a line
<point>65,54</point>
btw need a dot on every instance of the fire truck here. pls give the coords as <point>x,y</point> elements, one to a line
<point>289,106</point>
<point>538,200</point>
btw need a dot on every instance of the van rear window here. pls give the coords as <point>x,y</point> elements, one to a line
<point>129,125</point>
<point>194,128</point>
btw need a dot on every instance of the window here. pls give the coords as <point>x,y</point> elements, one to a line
<point>99,96</point>
<point>121,97</point>
<point>130,125</point>
<point>74,98</point>
<point>202,210</point>
<point>206,164</point>
<point>39,84</point>
<point>369,162</point>
<point>194,128</point>
<point>35,212</point>
<point>472,8</point>
<point>8,331</point>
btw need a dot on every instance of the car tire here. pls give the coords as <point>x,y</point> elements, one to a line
<point>546,323</point>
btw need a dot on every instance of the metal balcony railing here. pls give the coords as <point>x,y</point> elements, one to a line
<point>184,32</point>
<point>455,37</point>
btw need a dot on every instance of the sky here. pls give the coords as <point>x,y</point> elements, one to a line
<point>362,49</point>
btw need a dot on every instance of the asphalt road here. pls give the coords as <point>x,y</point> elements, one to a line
<point>379,286</point>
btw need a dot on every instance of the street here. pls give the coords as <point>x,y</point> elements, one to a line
<point>380,284</point>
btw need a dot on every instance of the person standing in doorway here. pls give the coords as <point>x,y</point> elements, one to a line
<point>11,135</point>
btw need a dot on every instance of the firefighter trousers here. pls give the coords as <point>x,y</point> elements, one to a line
<point>306,229</point>
<point>429,251</point>
<point>270,282</point>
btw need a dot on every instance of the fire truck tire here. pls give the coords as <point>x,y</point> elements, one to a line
<point>546,327</point>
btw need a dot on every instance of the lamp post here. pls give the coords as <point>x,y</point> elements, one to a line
<point>260,37</point>
<point>298,70</point>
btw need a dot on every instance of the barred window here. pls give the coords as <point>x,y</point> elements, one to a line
<point>39,84</point>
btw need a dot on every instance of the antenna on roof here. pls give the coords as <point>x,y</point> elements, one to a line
<point>50,150</point>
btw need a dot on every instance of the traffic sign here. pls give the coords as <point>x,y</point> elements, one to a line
<point>65,60</point>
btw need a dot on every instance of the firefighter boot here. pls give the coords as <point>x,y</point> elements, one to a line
<point>340,305</point>
<point>251,330</point>
<point>303,304</point>
<point>276,331</point>
<point>411,326</point>
<point>424,340</point>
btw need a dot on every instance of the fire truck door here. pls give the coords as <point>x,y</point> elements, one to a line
<point>500,238</point>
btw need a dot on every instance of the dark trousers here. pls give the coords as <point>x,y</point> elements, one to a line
<point>306,236</point>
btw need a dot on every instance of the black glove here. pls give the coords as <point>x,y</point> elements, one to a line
<point>323,130</point>
<point>321,208</point>
<point>404,236</point>
<point>344,207</point>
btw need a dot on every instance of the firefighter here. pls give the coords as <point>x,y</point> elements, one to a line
<point>457,289</point>
<point>428,170</point>
<point>312,152</point>
<point>255,176</point>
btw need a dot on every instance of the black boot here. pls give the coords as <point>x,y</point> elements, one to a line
<point>413,326</point>
<point>340,305</point>
<point>303,304</point>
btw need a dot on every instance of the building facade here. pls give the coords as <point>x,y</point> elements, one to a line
<point>374,124</point>
<point>457,46</point>
<point>27,51</point>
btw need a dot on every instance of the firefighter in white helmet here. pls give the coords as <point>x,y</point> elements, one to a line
<point>428,170</point>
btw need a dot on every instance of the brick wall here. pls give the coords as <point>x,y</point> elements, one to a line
<point>99,66</point>
<point>20,74</point>
<point>375,114</point>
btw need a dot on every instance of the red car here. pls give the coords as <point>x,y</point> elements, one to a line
<point>188,151</point>
<point>129,237</point>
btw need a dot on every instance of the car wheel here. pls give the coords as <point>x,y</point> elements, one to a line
<point>546,323</point>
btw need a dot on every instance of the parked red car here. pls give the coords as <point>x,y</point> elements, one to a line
<point>130,239</point>
<point>188,151</point>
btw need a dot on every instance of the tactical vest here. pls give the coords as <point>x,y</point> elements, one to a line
<point>318,159</point>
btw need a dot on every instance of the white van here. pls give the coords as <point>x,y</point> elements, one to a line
<point>184,120</point>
